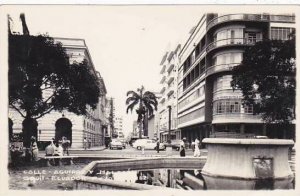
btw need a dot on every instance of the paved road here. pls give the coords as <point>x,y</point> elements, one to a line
<point>130,151</point>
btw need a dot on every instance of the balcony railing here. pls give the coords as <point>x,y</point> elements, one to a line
<point>219,68</point>
<point>231,41</point>
<point>163,79</point>
<point>235,117</point>
<point>250,17</point>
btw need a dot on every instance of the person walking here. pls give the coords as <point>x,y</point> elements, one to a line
<point>197,150</point>
<point>157,146</point>
<point>182,148</point>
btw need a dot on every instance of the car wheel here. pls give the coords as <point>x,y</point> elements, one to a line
<point>139,148</point>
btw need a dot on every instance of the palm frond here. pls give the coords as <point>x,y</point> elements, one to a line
<point>131,99</point>
<point>134,94</point>
<point>131,106</point>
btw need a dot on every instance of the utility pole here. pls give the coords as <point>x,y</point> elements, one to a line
<point>169,135</point>
<point>111,117</point>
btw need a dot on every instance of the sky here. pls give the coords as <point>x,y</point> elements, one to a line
<point>126,43</point>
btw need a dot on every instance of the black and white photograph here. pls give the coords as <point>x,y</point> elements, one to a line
<point>179,98</point>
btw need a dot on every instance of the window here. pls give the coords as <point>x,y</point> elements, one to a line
<point>227,58</point>
<point>248,109</point>
<point>280,33</point>
<point>226,106</point>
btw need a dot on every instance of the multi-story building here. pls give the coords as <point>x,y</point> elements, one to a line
<point>109,114</point>
<point>167,107</point>
<point>74,127</point>
<point>207,105</point>
<point>118,126</point>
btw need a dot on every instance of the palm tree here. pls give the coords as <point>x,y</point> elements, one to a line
<point>145,102</point>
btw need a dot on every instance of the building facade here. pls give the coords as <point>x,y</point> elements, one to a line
<point>167,107</point>
<point>207,105</point>
<point>74,127</point>
<point>118,126</point>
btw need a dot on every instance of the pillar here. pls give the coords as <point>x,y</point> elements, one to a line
<point>242,128</point>
<point>264,131</point>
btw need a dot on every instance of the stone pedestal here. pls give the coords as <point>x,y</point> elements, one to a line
<point>247,158</point>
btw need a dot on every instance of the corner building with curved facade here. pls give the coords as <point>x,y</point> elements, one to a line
<point>207,105</point>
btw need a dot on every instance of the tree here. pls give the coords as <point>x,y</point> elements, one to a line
<point>42,79</point>
<point>145,102</point>
<point>266,78</point>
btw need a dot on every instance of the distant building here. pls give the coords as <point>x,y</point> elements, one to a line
<point>167,108</point>
<point>118,127</point>
<point>74,127</point>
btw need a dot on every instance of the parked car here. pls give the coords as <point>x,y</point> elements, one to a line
<point>115,144</point>
<point>123,141</point>
<point>148,144</point>
<point>175,144</point>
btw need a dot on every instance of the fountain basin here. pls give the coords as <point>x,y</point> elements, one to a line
<point>247,158</point>
<point>87,180</point>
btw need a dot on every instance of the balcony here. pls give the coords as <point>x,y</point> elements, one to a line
<point>170,68</point>
<point>236,118</point>
<point>220,68</point>
<point>237,17</point>
<point>170,92</point>
<point>163,69</point>
<point>162,100</point>
<point>231,42</point>
<point>163,79</point>
<point>170,80</point>
<point>250,17</point>
<point>162,90</point>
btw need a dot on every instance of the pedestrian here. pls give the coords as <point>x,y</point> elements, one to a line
<point>58,150</point>
<point>65,145</point>
<point>34,149</point>
<point>89,142</point>
<point>197,150</point>
<point>49,150</point>
<point>84,143</point>
<point>157,145</point>
<point>182,148</point>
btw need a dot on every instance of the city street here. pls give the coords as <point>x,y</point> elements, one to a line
<point>127,152</point>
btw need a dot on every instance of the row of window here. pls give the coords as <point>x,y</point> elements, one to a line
<point>193,115</point>
<point>89,125</point>
<point>222,82</point>
<point>235,36</point>
<point>193,56</point>
<point>196,94</point>
<point>279,33</point>
<point>227,58</point>
<point>230,107</point>
<point>198,70</point>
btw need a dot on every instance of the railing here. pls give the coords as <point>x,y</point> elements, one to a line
<point>230,117</point>
<point>232,41</point>
<point>221,67</point>
<point>250,17</point>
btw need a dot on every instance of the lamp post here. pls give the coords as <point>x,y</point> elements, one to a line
<point>169,135</point>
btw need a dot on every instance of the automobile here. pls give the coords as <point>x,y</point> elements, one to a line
<point>122,140</point>
<point>175,144</point>
<point>148,144</point>
<point>115,144</point>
